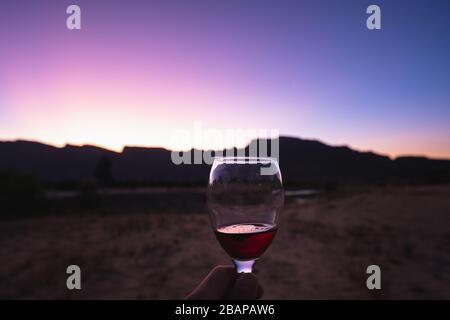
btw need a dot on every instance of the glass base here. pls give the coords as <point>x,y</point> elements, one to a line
<point>244,266</point>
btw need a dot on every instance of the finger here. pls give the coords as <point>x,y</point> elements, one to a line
<point>260,291</point>
<point>246,287</point>
<point>215,285</point>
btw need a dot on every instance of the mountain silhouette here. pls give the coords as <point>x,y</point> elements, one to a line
<point>303,163</point>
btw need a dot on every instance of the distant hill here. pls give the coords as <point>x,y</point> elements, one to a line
<point>303,163</point>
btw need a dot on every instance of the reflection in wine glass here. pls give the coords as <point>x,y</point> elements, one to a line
<point>244,201</point>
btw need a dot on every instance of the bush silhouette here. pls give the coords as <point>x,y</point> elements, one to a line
<point>88,196</point>
<point>19,191</point>
<point>103,172</point>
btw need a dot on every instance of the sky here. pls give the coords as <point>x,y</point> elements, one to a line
<point>138,72</point>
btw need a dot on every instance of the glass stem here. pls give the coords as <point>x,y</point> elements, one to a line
<point>243,266</point>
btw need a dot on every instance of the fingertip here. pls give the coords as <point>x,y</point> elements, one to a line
<point>223,268</point>
<point>227,271</point>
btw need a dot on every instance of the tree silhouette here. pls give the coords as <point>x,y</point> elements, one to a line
<point>103,172</point>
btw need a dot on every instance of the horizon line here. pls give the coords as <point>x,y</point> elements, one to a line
<point>88,144</point>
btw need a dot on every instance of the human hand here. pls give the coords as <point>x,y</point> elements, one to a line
<point>224,283</point>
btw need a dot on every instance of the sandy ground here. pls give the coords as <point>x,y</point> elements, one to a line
<point>321,251</point>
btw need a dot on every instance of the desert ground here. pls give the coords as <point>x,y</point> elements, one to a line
<point>321,251</point>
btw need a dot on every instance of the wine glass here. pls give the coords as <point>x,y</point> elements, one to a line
<point>245,198</point>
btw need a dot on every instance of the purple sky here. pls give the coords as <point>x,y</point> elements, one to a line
<point>139,70</point>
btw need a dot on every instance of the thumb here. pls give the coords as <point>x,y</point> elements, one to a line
<point>246,287</point>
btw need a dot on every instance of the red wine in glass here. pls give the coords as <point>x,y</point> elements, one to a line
<point>246,241</point>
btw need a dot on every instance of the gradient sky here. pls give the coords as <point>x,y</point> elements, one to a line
<point>139,70</point>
